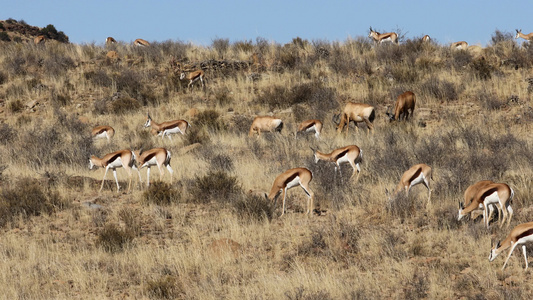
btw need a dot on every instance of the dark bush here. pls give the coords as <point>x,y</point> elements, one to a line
<point>221,46</point>
<point>215,186</point>
<point>490,101</point>
<point>209,118</point>
<point>500,37</point>
<point>51,33</point>
<point>440,89</point>
<point>7,133</point>
<point>482,69</point>
<point>161,193</point>
<point>164,287</point>
<point>56,64</point>
<point>28,197</point>
<point>255,208</point>
<point>4,36</point>
<point>197,134</point>
<point>16,65</point>
<point>98,78</point>
<point>244,46</point>
<point>128,81</point>
<point>15,106</point>
<point>113,239</point>
<point>3,77</point>
<point>125,104</point>
<point>222,162</point>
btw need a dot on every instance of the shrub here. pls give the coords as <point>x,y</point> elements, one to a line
<point>221,46</point>
<point>7,133</point>
<point>4,36</point>
<point>28,198</point>
<point>244,46</point>
<point>132,220</point>
<point>128,81</point>
<point>51,33</point>
<point>440,89</point>
<point>215,186</point>
<point>125,104</point>
<point>209,118</point>
<point>15,106</point>
<point>222,162</point>
<point>3,77</point>
<point>98,78</point>
<point>482,69</point>
<point>164,287</point>
<point>113,239</point>
<point>254,208</point>
<point>161,193</point>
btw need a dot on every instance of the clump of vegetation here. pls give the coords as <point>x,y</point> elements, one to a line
<point>216,186</point>
<point>161,193</point>
<point>26,198</point>
<point>114,239</point>
<point>164,287</point>
<point>255,208</point>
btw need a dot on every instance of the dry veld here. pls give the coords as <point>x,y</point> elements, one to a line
<point>210,233</point>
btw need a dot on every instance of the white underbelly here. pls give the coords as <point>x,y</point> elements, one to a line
<point>421,178</point>
<point>150,162</point>
<point>117,163</point>
<point>102,135</point>
<point>492,199</point>
<point>172,131</point>
<point>343,159</point>
<point>294,182</point>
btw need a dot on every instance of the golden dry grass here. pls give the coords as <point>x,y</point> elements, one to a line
<point>472,122</point>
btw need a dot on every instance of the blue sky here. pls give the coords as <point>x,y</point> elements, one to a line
<point>202,21</point>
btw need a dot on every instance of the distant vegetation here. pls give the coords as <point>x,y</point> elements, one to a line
<point>211,234</point>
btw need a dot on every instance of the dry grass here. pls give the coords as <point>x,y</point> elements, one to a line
<point>472,122</point>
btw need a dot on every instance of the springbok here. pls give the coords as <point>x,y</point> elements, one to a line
<point>405,107</point>
<point>265,123</point>
<point>420,173</point>
<point>103,132</point>
<point>357,112</point>
<point>159,157</point>
<point>519,236</point>
<point>122,158</point>
<point>349,154</point>
<point>527,37</point>
<point>313,125</point>
<point>141,42</point>
<point>462,45</point>
<point>289,179</point>
<point>499,194</point>
<point>385,37</point>
<point>193,76</point>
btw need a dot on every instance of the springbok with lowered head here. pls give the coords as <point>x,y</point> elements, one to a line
<point>313,125</point>
<point>404,107</point>
<point>519,236</point>
<point>420,173</point>
<point>265,123</point>
<point>357,112</point>
<point>289,179</point>
<point>349,154</point>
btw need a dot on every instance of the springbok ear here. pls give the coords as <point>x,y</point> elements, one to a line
<point>498,245</point>
<point>461,205</point>
<point>266,196</point>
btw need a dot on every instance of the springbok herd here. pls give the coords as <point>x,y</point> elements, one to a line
<point>483,197</point>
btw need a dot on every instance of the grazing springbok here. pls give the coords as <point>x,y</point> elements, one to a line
<point>122,158</point>
<point>404,108</point>
<point>462,45</point>
<point>265,123</point>
<point>471,192</point>
<point>498,194</point>
<point>193,76</point>
<point>349,154</point>
<point>159,157</point>
<point>357,112</point>
<point>385,37</point>
<point>313,125</point>
<point>103,132</point>
<point>527,37</point>
<point>141,42</point>
<point>420,173</point>
<point>289,179</point>
<point>519,236</point>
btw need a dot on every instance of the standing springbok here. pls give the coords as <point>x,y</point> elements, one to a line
<point>385,37</point>
<point>519,236</point>
<point>159,157</point>
<point>167,128</point>
<point>420,173</point>
<point>527,37</point>
<point>193,76</point>
<point>499,194</point>
<point>404,108</point>
<point>265,123</point>
<point>349,154</point>
<point>357,112</point>
<point>313,125</point>
<point>289,179</point>
<point>110,40</point>
<point>471,192</point>
<point>426,39</point>
<point>122,158</point>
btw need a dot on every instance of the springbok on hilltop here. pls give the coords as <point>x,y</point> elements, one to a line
<point>519,236</point>
<point>40,39</point>
<point>289,179</point>
<point>357,112</point>
<point>426,38</point>
<point>110,40</point>
<point>122,158</point>
<point>527,37</point>
<point>265,123</point>
<point>404,108</point>
<point>141,42</point>
<point>385,37</point>
<point>420,173</point>
<point>462,45</point>
<point>499,194</point>
<point>349,154</point>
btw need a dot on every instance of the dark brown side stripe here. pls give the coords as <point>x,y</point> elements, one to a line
<point>525,233</point>
<point>417,173</point>
<point>341,154</point>
<point>291,178</point>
